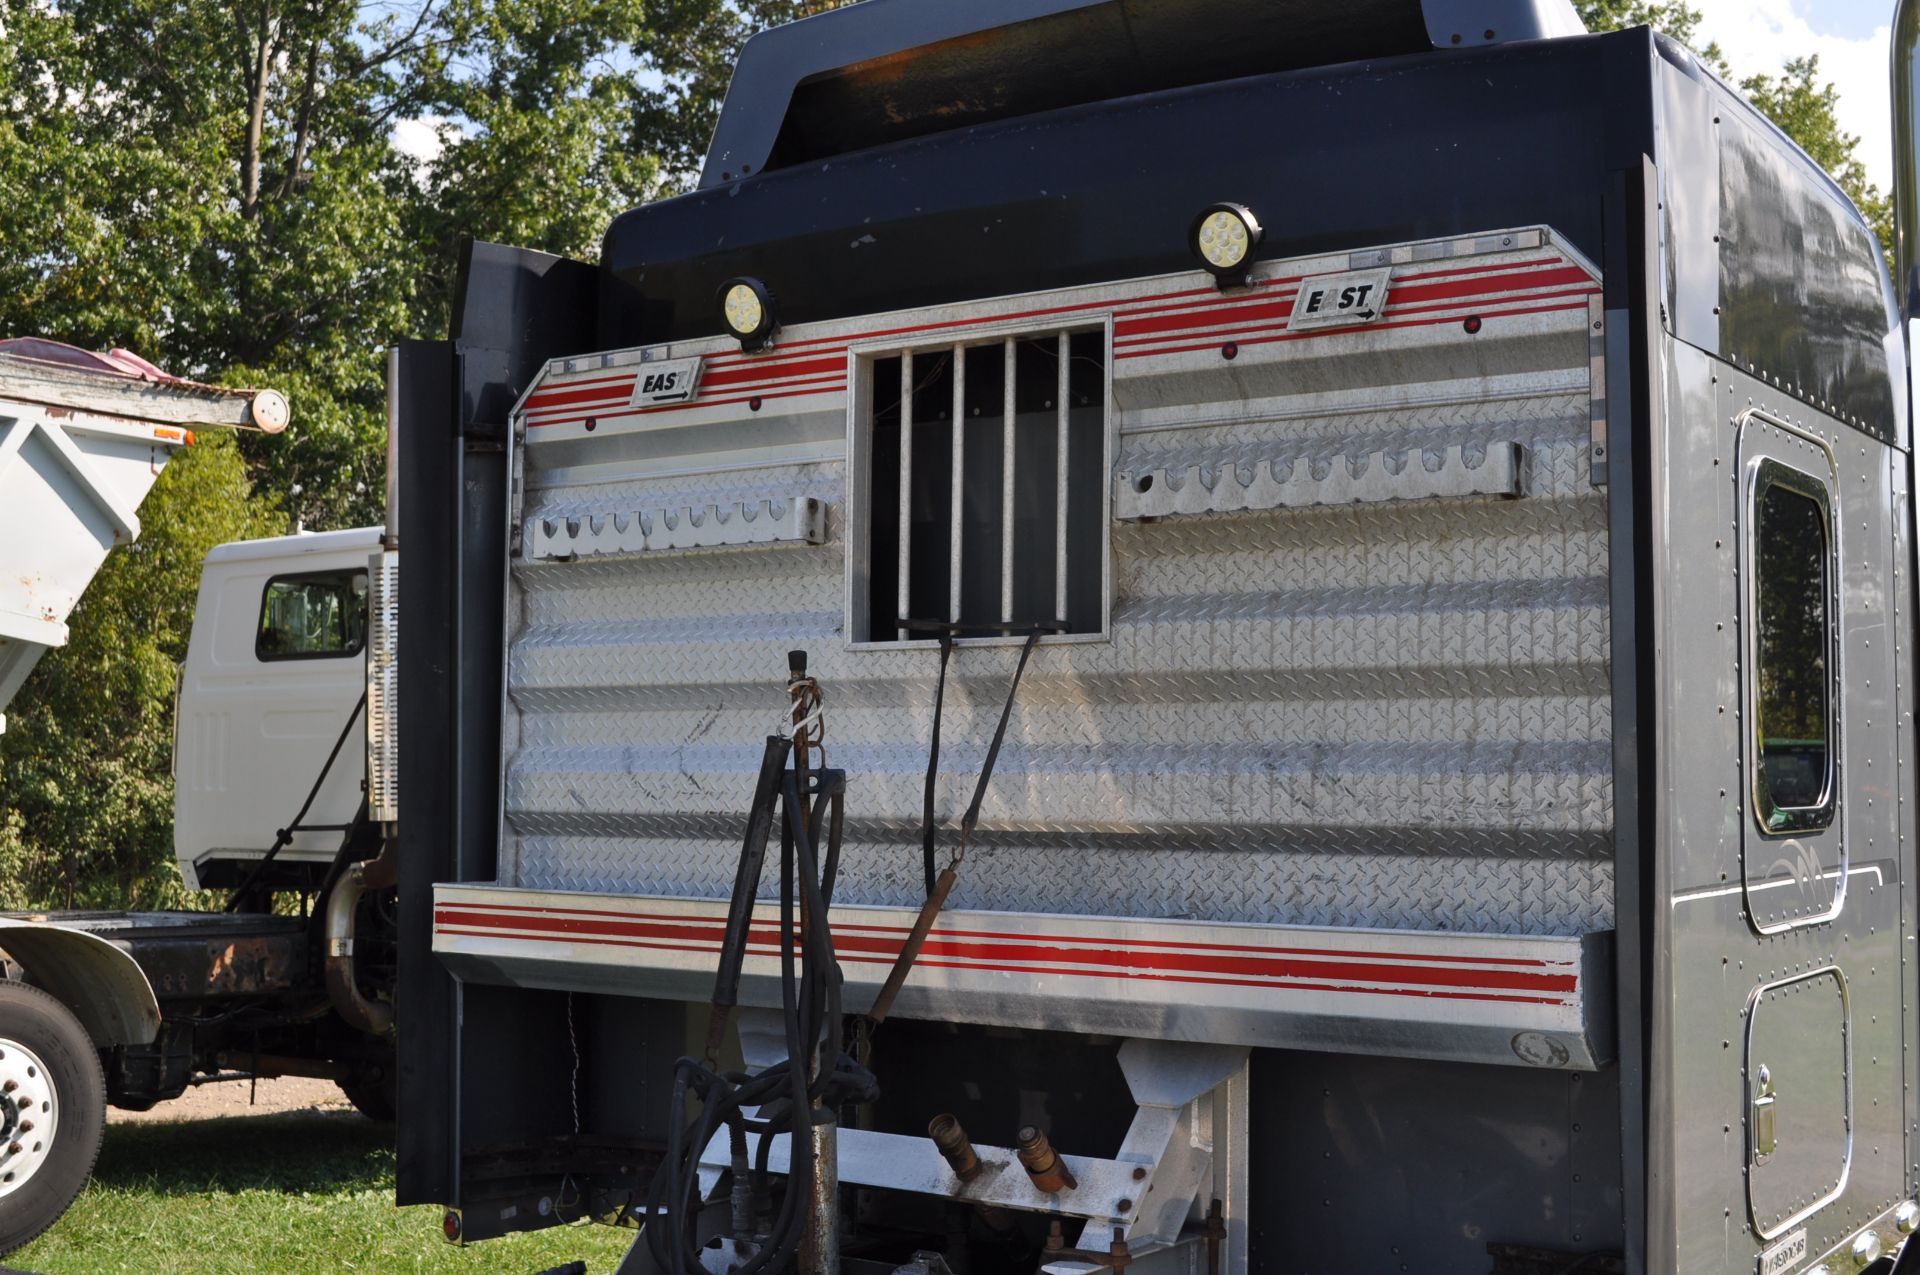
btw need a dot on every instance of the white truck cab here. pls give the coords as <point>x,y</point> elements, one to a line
<point>275,671</point>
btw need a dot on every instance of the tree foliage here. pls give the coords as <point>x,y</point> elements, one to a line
<point>222,186</point>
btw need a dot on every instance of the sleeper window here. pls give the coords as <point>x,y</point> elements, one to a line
<point>319,615</point>
<point>1793,619</point>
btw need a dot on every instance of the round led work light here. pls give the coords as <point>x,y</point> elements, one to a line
<point>747,307</point>
<point>1224,237</point>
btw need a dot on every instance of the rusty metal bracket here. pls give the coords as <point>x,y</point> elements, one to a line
<point>1116,1258</point>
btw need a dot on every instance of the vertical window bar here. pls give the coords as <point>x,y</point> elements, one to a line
<point>906,488</point>
<point>959,478</point>
<point>1006,488</point>
<point>1062,409</point>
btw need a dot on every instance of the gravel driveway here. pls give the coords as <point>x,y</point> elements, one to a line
<point>240,1098</point>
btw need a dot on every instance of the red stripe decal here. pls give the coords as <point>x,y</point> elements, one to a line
<point>694,934</point>
<point>1371,327</point>
<point>934,963</point>
<point>790,370</point>
<point>718,923</point>
<point>825,385</point>
<point>1143,321</point>
<point>580,392</point>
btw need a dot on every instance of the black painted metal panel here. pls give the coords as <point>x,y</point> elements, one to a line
<point>1804,296</point>
<point>514,309</point>
<point>1354,156</point>
<point>1370,1165</point>
<point>429,457</point>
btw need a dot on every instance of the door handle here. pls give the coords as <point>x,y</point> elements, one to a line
<point>1765,1138</point>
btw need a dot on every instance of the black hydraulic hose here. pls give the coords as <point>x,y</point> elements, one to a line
<point>943,885</point>
<point>284,836</point>
<point>746,887</point>
<point>972,816</point>
<point>928,829</point>
<point>810,998</point>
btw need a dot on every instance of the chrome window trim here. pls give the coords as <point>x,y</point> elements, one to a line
<point>1764,473</point>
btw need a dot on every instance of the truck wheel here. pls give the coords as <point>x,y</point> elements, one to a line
<point>53,1104</point>
<point>375,1096</point>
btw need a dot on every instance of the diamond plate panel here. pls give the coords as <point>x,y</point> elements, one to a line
<point>1374,715</point>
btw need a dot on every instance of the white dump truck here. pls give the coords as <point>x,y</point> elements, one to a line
<point>132,1008</point>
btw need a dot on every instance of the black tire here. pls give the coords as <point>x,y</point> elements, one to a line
<point>45,1029</point>
<point>375,1095</point>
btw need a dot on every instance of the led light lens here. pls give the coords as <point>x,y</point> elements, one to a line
<point>1224,240</point>
<point>1224,237</point>
<point>744,311</point>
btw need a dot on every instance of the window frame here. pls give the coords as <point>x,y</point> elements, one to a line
<point>861,361</point>
<point>1767,473</point>
<point>296,577</point>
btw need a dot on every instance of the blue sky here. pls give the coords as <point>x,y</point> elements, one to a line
<point>1848,36</point>
<point>1848,19</point>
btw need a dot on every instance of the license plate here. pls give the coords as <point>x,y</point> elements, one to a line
<point>1341,300</point>
<point>1785,1255</point>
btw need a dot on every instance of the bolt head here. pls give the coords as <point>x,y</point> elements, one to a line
<point>1125,1206</point>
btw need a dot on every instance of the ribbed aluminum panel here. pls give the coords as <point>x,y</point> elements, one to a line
<point>1387,714</point>
<point>383,696</point>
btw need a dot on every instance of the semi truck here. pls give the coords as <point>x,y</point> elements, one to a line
<point>272,804</point>
<point>1181,637</point>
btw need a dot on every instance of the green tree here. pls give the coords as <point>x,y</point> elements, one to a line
<point>1804,108</point>
<point>1676,18</point>
<point>215,184</point>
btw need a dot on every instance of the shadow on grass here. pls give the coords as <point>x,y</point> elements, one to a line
<point>293,1152</point>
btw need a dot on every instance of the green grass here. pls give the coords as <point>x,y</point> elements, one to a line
<point>273,1195</point>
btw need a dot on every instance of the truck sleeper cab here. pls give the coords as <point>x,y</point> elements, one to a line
<point>1453,818</point>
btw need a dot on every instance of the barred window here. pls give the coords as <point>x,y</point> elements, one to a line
<point>981,472</point>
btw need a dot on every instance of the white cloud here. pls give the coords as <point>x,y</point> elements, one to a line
<point>1759,36</point>
<point>423,138</point>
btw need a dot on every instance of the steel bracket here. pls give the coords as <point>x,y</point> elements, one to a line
<point>1165,1175</point>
